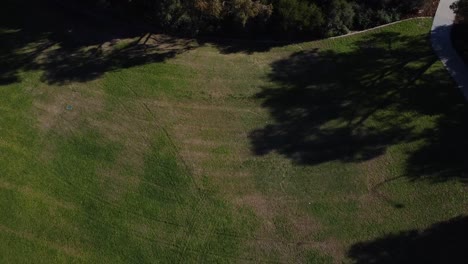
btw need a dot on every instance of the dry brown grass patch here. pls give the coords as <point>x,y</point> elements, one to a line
<point>62,109</point>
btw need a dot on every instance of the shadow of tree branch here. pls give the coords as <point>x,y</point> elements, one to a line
<point>352,106</point>
<point>72,47</point>
<point>443,242</point>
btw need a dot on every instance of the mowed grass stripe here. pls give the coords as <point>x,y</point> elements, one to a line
<point>89,196</point>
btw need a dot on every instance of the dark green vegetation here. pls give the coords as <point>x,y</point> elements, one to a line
<point>120,148</point>
<point>461,8</point>
<point>460,29</point>
<point>275,18</point>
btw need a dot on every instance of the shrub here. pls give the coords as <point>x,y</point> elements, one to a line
<point>461,9</point>
<point>296,17</point>
<point>339,18</point>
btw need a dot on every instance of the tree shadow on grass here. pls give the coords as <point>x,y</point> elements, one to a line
<point>63,65</point>
<point>443,242</point>
<point>69,45</point>
<point>352,106</point>
<point>246,46</point>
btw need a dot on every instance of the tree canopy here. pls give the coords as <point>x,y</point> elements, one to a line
<point>286,18</point>
<point>461,9</point>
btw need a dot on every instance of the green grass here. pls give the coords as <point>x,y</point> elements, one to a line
<point>294,154</point>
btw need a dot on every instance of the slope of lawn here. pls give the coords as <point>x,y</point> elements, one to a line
<point>150,149</point>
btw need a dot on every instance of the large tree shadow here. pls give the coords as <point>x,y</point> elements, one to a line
<point>69,43</point>
<point>444,242</point>
<point>247,45</point>
<point>352,106</point>
<point>72,45</point>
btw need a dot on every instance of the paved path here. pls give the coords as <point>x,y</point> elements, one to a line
<point>442,44</point>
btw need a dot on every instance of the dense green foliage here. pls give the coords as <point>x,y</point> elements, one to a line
<point>461,8</point>
<point>460,29</point>
<point>311,18</point>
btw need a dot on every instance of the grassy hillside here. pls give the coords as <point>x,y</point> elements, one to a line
<point>143,149</point>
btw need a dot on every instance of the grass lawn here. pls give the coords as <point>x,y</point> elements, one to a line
<point>149,149</point>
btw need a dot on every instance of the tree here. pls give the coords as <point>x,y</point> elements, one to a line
<point>461,9</point>
<point>241,10</point>
<point>298,16</point>
<point>340,17</point>
<point>283,18</point>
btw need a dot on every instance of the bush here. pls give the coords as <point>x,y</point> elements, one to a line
<point>290,18</point>
<point>461,9</point>
<point>407,6</point>
<point>297,17</point>
<point>339,18</point>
